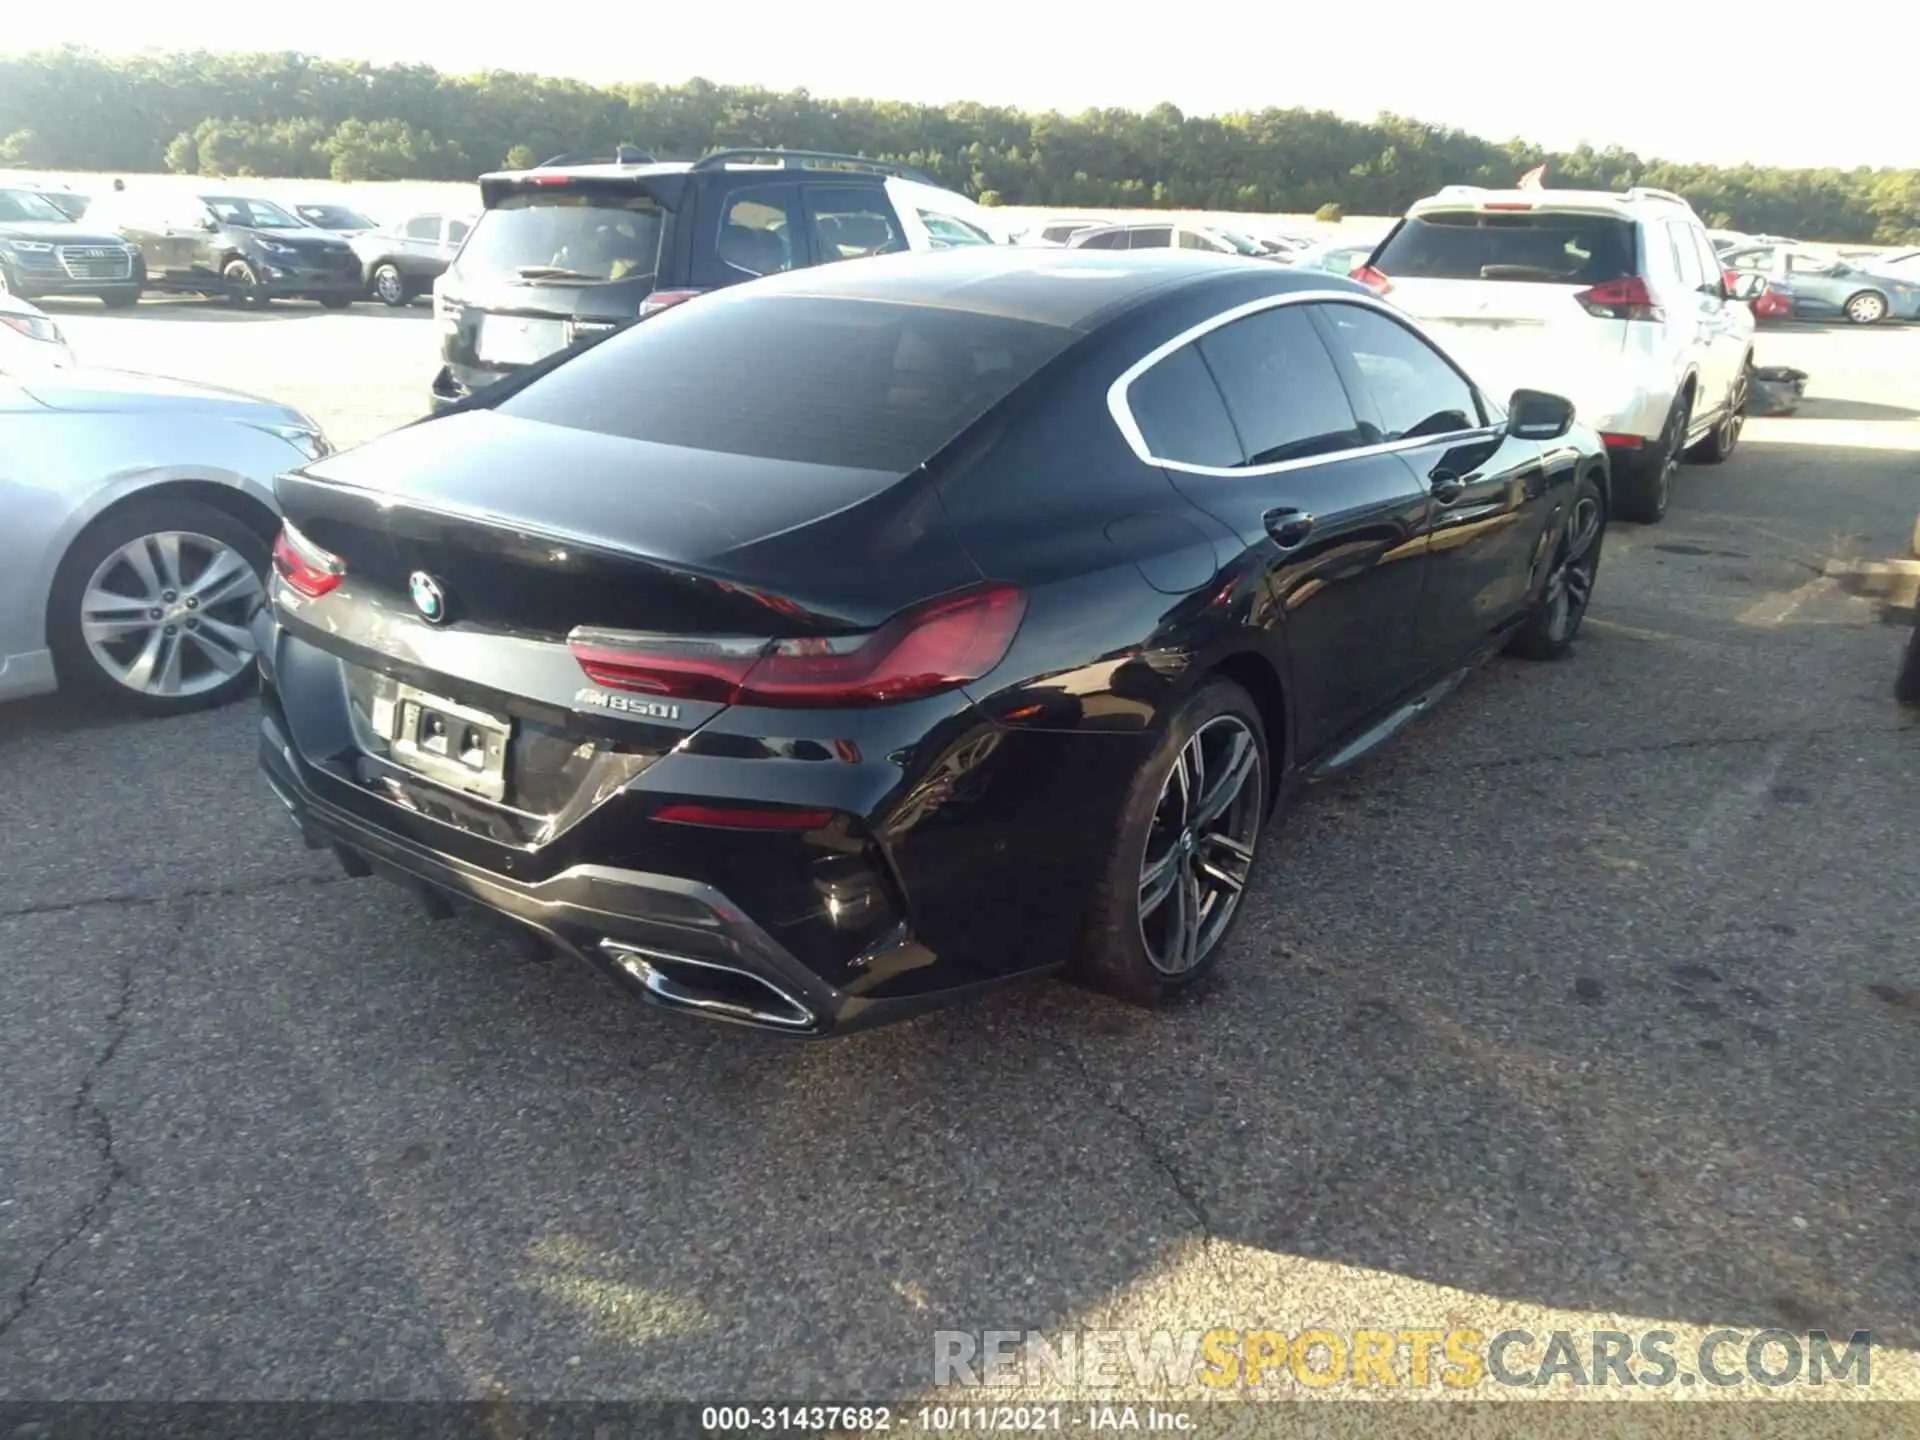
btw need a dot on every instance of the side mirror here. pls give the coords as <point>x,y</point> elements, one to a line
<point>209,224</point>
<point>1536,415</point>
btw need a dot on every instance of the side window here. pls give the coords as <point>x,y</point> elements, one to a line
<point>1686,259</point>
<point>456,232</point>
<point>756,231</point>
<point>1150,237</point>
<point>1713,280</point>
<point>850,222</point>
<point>1105,240</point>
<point>1416,391</point>
<point>423,227</point>
<point>1181,415</point>
<point>1281,387</point>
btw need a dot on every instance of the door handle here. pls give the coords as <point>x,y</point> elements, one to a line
<point>1288,527</point>
<point>1445,486</point>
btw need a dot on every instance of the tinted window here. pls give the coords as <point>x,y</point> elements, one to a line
<point>1102,240</point>
<point>1712,279</point>
<point>1194,240</point>
<point>457,231</point>
<point>1415,390</point>
<point>1150,237</point>
<point>18,205</point>
<point>945,231</point>
<point>863,383</point>
<point>1281,388</point>
<point>1181,415</point>
<point>575,233</point>
<point>755,234</point>
<point>1538,246</point>
<point>423,227</point>
<point>849,223</point>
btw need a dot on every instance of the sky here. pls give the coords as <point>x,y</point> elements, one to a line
<point>1677,79</point>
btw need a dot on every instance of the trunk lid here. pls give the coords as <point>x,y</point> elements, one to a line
<point>1510,336</point>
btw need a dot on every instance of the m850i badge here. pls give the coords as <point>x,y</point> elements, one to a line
<point>650,709</point>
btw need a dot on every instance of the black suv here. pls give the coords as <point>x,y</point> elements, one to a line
<point>570,251</point>
<point>236,247</point>
<point>42,252</point>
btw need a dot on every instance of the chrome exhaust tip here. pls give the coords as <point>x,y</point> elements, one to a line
<point>721,992</point>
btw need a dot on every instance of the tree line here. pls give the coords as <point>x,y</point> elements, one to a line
<point>298,116</point>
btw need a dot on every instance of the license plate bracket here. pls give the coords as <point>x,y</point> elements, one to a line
<point>517,340</point>
<point>456,745</point>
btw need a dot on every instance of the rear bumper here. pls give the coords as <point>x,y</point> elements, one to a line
<point>676,943</point>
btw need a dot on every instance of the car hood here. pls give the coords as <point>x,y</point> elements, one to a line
<point>55,233</point>
<point>123,392</point>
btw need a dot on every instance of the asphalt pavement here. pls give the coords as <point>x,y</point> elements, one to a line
<point>1594,1001</point>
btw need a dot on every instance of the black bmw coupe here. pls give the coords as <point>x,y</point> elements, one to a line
<point>835,645</point>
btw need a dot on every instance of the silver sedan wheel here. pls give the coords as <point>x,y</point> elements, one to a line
<point>166,614</point>
<point>1200,846</point>
<point>1867,308</point>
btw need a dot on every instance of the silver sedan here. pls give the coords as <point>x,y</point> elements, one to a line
<point>139,526</point>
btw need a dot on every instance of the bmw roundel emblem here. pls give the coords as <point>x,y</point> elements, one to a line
<point>428,598</point>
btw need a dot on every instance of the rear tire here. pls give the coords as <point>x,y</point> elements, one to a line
<point>243,285</point>
<point>389,286</point>
<point>1643,485</point>
<point>1183,851</point>
<point>1719,444</point>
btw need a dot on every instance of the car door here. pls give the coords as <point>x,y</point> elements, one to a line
<point>850,222</point>
<point>1491,502</point>
<point>1734,338</point>
<point>419,256</point>
<point>145,228</point>
<point>1697,313</point>
<point>1251,421</point>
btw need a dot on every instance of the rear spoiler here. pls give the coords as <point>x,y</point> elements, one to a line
<point>664,189</point>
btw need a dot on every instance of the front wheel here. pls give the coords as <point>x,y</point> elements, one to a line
<point>390,286</point>
<point>150,607</point>
<point>1869,307</point>
<point>1183,852</point>
<point>1548,632</point>
<point>243,285</point>
<point>1906,689</point>
<point>121,297</point>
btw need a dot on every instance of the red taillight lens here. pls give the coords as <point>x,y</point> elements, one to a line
<point>659,300</point>
<point>1622,442</point>
<point>1372,279</point>
<point>1627,299</point>
<point>304,565</point>
<point>923,652</point>
<point>732,818</point>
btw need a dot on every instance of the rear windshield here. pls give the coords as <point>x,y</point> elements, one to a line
<point>576,236</point>
<point>1552,249</point>
<point>870,384</point>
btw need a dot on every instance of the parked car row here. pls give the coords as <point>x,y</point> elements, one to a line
<point>221,243</point>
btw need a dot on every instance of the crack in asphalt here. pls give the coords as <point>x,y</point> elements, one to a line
<point>87,1114</point>
<point>1158,1155</point>
<point>187,895</point>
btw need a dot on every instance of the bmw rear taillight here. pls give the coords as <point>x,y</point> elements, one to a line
<point>1627,299</point>
<point>1372,279</point>
<point>738,817</point>
<point>658,300</point>
<point>924,651</point>
<point>304,565</point>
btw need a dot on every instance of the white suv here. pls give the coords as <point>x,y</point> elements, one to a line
<point>1616,301</point>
